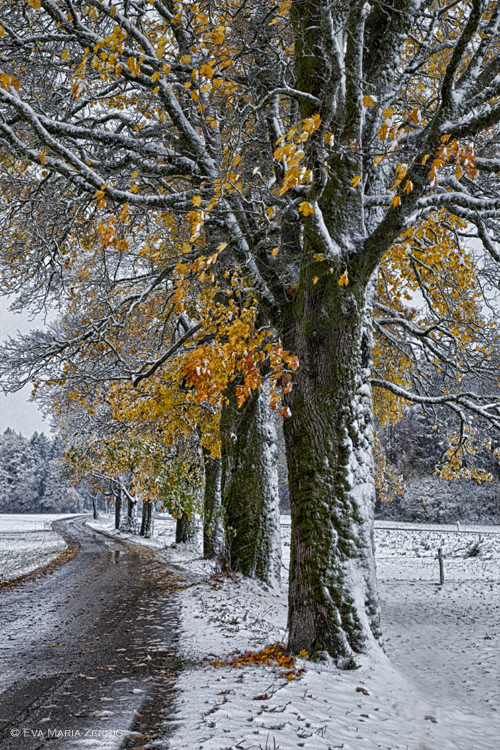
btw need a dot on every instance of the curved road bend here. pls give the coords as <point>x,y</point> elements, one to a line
<point>86,651</point>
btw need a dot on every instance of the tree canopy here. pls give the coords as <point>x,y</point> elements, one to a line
<point>223,191</point>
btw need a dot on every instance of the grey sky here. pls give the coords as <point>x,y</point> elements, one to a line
<point>15,409</point>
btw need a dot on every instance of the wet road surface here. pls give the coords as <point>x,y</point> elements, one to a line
<point>86,652</point>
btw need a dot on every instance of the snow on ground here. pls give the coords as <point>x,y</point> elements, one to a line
<point>27,542</point>
<point>439,691</point>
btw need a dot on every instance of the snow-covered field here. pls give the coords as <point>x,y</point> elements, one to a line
<point>439,691</point>
<point>27,542</point>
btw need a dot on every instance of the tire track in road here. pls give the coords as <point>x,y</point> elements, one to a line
<point>87,652</point>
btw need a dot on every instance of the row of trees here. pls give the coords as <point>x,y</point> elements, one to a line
<point>245,205</point>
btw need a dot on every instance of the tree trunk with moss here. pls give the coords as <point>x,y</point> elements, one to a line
<point>213,528</point>
<point>185,529</point>
<point>250,498</point>
<point>118,507</point>
<point>148,518</point>
<point>333,602</point>
<point>129,523</point>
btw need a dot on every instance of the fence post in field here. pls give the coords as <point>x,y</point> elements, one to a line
<point>441,565</point>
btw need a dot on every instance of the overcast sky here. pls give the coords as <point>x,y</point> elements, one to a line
<point>15,409</point>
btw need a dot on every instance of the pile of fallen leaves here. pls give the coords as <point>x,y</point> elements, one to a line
<point>272,656</point>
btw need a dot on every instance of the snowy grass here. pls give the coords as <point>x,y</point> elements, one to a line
<point>27,542</point>
<point>439,691</point>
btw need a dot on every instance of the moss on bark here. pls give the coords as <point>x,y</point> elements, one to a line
<point>333,601</point>
<point>250,487</point>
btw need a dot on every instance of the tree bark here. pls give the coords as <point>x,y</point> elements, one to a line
<point>250,498</point>
<point>148,518</point>
<point>118,507</point>
<point>333,601</point>
<point>213,529</point>
<point>185,529</point>
<point>130,522</point>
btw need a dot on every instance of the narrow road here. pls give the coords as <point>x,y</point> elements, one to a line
<point>86,654</point>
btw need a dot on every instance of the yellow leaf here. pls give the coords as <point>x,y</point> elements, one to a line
<point>134,189</point>
<point>315,280</point>
<point>135,174</point>
<point>458,172</point>
<point>123,214</point>
<point>369,101</point>
<point>395,201</point>
<point>310,124</point>
<point>414,116</point>
<point>275,251</point>
<point>304,654</point>
<point>408,187</point>
<point>155,76</point>
<point>2,31</point>
<point>196,200</point>
<point>221,246</point>
<point>186,59</point>
<point>306,208</point>
<point>344,279</point>
<point>355,180</point>
<point>99,194</point>
<point>425,158</point>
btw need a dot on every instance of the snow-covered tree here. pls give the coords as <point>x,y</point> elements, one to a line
<point>331,150</point>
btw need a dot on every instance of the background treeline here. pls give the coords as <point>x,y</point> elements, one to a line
<point>414,449</point>
<point>34,477</point>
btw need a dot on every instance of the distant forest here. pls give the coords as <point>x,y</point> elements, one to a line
<point>34,477</point>
<point>412,457</point>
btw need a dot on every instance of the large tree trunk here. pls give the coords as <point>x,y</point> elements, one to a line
<point>250,498</point>
<point>213,529</point>
<point>185,529</point>
<point>118,507</point>
<point>333,602</point>
<point>148,519</point>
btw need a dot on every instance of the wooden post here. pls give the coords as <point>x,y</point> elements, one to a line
<point>441,565</point>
